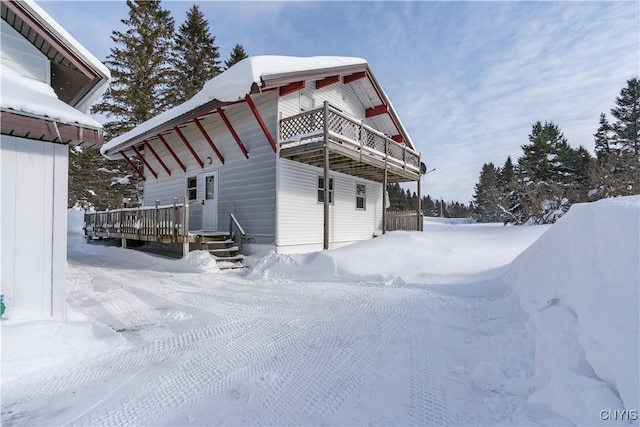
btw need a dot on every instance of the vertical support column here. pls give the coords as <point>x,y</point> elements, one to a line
<point>176,218</point>
<point>384,201</point>
<point>326,176</point>
<point>384,189</point>
<point>185,227</point>
<point>419,202</point>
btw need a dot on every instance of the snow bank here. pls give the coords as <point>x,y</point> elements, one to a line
<point>194,262</point>
<point>579,284</point>
<point>439,255</point>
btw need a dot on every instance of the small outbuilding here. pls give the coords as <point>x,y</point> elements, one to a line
<point>48,83</point>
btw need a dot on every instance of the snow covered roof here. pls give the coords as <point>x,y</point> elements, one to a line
<point>83,77</point>
<point>32,97</point>
<point>247,76</point>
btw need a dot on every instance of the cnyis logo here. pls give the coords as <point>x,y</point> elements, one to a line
<point>619,414</point>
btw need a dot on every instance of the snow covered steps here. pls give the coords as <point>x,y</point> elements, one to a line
<point>224,249</point>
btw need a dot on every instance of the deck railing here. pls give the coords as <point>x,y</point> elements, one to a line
<point>159,223</point>
<point>309,127</point>
<point>235,225</point>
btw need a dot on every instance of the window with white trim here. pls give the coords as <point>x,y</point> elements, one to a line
<point>321,190</point>
<point>361,196</point>
<point>192,188</point>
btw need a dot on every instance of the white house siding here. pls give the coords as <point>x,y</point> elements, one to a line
<point>338,94</point>
<point>21,56</point>
<point>300,216</point>
<point>33,239</point>
<point>246,187</point>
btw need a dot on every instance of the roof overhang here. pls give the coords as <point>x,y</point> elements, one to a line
<point>78,78</point>
<point>367,89</point>
<point>45,129</point>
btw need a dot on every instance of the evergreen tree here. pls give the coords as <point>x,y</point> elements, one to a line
<point>140,72</point>
<point>97,183</point>
<point>237,55</point>
<point>428,207</point>
<point>603,138</point>
<point>487,195</point>
<point>140,69</point>
<point>617,170</point>
<point>544,177</point>
<point>196,58</point>
<point>627,113</point>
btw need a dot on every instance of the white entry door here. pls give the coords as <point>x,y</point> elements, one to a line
<point>209,185</point>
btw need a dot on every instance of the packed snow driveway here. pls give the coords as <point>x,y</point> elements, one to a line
<point>407,329</point>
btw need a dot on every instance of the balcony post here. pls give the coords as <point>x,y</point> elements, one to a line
<point>419,201</point>
<point>384,199</point>
<point>325,244</point>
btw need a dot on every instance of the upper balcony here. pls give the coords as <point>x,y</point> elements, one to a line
<point>354,148</point>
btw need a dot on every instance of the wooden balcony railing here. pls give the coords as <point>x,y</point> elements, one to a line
<point>156,223</point>
<point>309,127</point>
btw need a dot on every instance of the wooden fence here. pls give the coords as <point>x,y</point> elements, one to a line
<point>403,220</point>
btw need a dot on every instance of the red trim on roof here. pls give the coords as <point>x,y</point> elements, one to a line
<point>143,160</point>
<point>209,140</point>
<point>327,81</point>
<point>353,77</point>
<point>398,138</point>
<point>132,165</point>
<point>377,110</point>
<point>170,150</point>
<point>233,133</point>
<point>292,87</point>
<point>189,147</point>
<point>152,151</point>
<point>263,126</point>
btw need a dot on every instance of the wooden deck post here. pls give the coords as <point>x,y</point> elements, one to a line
<point>185,227</point>
<point>156,219</point>
<point>326,176</point>
<point>176,218</point>
<point>384,190</point>
<point>419,207</point>
<point>384,201</point>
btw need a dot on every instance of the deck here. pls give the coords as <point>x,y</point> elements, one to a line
<point>354,148</point>
<point>164,224</point>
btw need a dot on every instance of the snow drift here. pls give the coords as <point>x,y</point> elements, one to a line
<point>579,284</point>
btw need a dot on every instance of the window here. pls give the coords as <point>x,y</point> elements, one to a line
<point>192,188</point>
<point>210,187</point>
<point>306,102</point>
<point>321,189</point>
<point>361,196</point>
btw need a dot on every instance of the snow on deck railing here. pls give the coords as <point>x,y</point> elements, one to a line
<point>159,223</point>
<point>309,127</point>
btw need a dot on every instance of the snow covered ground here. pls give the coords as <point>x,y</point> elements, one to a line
<point>442,327</point>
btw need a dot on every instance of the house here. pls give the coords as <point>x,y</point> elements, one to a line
<point>292,154</point>
<point>48,82</point>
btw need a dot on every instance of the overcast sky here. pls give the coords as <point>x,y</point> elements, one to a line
<point>468,79</point>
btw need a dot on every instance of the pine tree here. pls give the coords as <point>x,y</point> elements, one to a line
<point>140,72</point>
<point>627,113</point>
<point>196,58</point>
<point>237,55</point>
<point>604,138</point>
<point>487,195</point>
<point>140,69</point>
<point>544,176</point>
<point>97,183</point>
<point>617,146</point>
